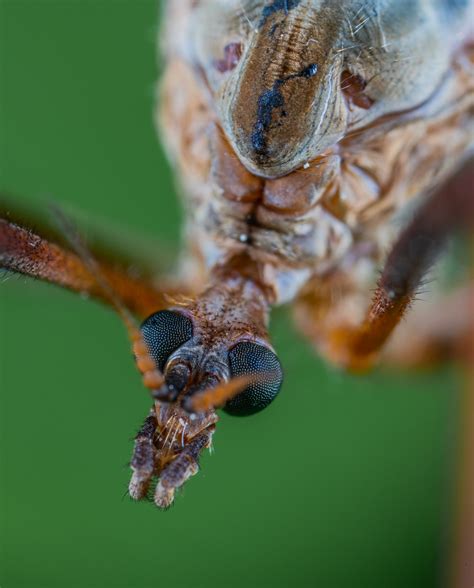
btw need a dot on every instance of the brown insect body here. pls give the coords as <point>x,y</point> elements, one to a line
<point>333,174</point>
<point>292,165</point>
<point>298,128</point>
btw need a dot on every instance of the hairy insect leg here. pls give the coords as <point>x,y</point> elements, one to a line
<point>413,254</point>
<point>185,465</point>
<point>438,330</point>
<point>24,252</point>
<point>143,458</point>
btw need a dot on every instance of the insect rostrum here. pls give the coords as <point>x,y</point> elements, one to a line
<point>297,130</point>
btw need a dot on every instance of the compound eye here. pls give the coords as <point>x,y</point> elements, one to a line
<point>249,358</point>
<point>165,331</point>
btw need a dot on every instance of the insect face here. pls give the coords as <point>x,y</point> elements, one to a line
<point>213,353</point>
<point>197,355</point>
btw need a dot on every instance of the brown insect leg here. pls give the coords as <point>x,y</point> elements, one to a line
<point>413,254</point>
<point>184,466</point>
<point>24,252</point>
<point>143,458</point>
<point>437,331</point>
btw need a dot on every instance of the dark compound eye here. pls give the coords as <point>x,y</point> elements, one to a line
<point>248,358</point>
<point>164,332</point>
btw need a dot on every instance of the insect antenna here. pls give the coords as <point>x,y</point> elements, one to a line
<point>218,395</point>
<point>152,378</point>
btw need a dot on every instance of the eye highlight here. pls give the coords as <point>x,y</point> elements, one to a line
<point>165,331</point>
<point>249,358</point>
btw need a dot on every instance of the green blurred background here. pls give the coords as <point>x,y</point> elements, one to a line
<point>342,482</point>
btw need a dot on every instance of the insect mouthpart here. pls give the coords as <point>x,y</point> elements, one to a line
<point>167,450</point>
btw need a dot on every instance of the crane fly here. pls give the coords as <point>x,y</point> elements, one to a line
<point>297,130</point>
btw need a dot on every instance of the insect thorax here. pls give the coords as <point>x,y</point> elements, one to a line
<point>330,212</point>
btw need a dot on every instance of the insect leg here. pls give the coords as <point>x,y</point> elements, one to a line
<point>143,458</point>
<point>24,252</point>
<point>415,251</point>
<point>437,331</point>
